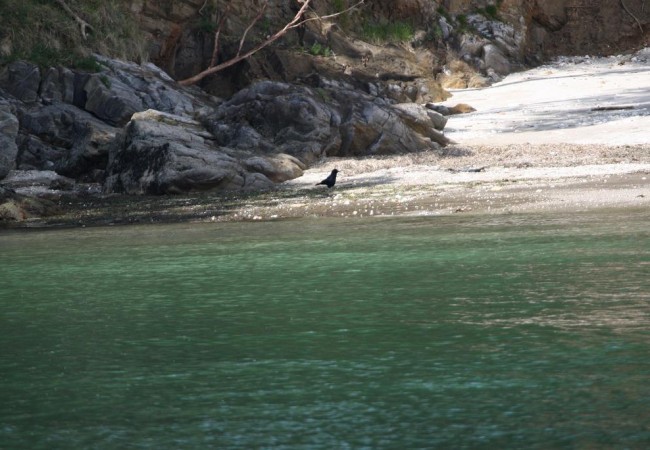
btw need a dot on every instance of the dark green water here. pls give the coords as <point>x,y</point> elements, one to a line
<point>509,332</point>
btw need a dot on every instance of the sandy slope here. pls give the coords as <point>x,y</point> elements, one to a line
<point>574,100</point>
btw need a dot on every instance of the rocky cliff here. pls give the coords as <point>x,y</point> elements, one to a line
<point>493,37</point>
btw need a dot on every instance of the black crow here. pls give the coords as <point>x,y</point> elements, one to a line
<point>331,180</point>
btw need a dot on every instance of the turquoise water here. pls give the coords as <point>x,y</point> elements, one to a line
<point>499,332</point>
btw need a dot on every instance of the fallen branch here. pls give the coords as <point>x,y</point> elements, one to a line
<point>612,108</point>
<point>632,15</point>
<point>82,23</point>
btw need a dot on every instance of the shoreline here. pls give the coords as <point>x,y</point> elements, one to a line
<point>572,135</point>
<point>462,180</point>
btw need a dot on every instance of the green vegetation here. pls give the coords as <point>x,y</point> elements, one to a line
<point>388,32</point>
<point>444,13</point>
<point>40,31</point>
<point>318,49</point>
<point>490,11</point>
<point>463,24</point>
<point>206,25</point>
<point>434,33</point>
<point>339,6</point>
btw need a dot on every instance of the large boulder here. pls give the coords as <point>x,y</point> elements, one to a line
<point>331,119</point>
<point>67,118</point>
<point>160,153</point>
<point>8,134</point>
<point>64,138</point>
<point>278,168</point>
<point>271,118</point>
<point>495,60</point>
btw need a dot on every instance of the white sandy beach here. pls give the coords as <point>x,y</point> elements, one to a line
<point>571,135</point>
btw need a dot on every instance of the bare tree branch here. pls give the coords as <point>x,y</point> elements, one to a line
<point>251,25</point>
<point>82,23</point>
<point>297,21</point>
<point>632,15</point>
<point>217,35</point>
<point>340,13</point>
<point>203,7</point>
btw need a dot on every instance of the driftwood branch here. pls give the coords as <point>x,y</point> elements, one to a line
<point>297,21</point>
<point>632,15</point>
<point>82,23</point>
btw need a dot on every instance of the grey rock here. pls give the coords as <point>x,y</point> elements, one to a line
<point>424,122</point>
<point>58,85</point>
<point>111,100</point>
<point>277,118</point>
<point>471,46</point>
<point>151,86</point>
<point>440,109</point>
<point>64,138</point>
<point>48,179</point>
<point>502,34</point>
<point>278,168</point>
<point>159,153</point>
<point>267,133</point>
<point>495,60</point>
<point>36,154</point>
<point>21,79</point>
<point>8,132</point>
<point>423,116</point>
<point>445,27</point>
<point>273,118</point>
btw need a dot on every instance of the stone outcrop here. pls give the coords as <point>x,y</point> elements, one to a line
<point>331,119</point>
<point>159,153</point>
<point>266,134</point>
<point>136,131</point>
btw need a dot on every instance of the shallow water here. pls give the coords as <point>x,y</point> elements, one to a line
<point>527,331</point>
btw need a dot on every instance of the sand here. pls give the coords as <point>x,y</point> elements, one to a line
<point>571,135</point>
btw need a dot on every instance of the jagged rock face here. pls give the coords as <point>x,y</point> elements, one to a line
<point>90,127</point>
<point>67,119</point>
<point>581,27</point>
<point>331,119</point>
<point>526,31</point>
<point>62,137</point>
<point>159,153</point>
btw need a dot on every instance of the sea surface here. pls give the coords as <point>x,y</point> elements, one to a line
<point>463,332</point>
